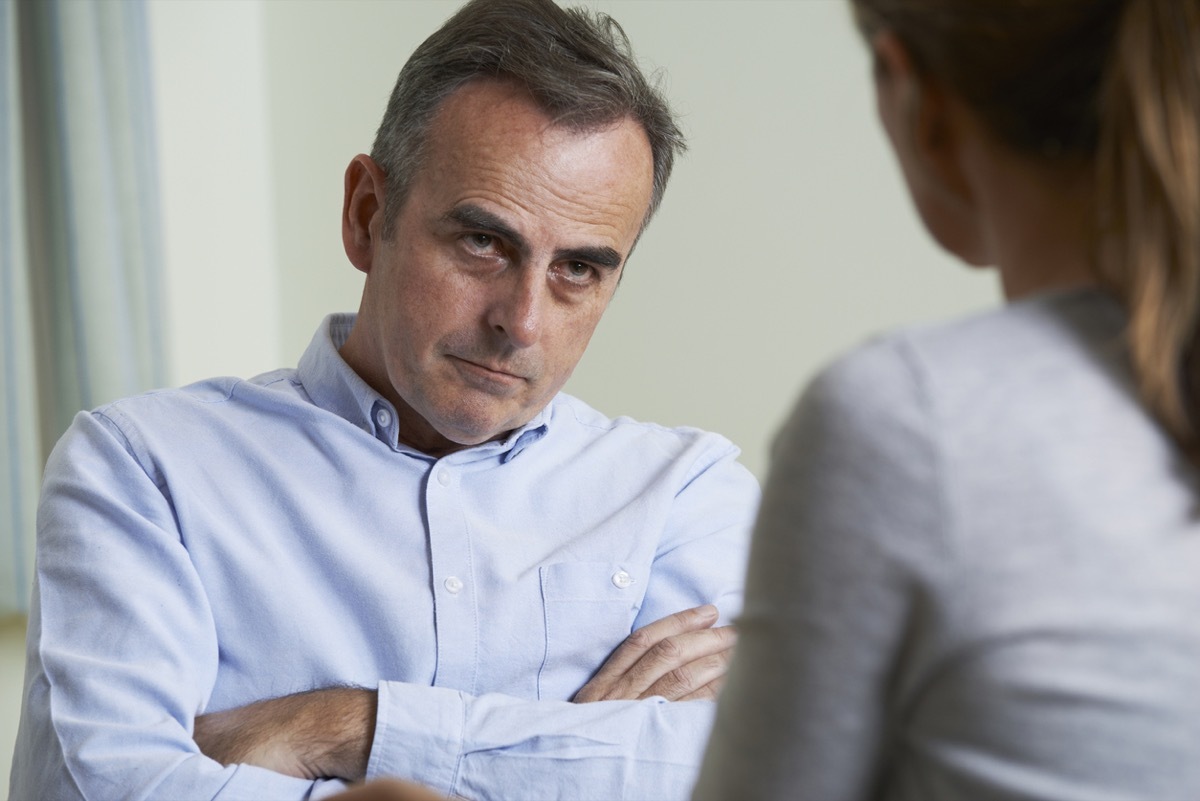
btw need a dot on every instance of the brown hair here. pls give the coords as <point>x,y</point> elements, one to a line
<point>577,65</point>
<point>1114,83</point>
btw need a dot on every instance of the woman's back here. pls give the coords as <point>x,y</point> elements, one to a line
<point>989,555</point>
<point>1055,649</point>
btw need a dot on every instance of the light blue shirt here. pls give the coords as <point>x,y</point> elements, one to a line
<point>206,547</point>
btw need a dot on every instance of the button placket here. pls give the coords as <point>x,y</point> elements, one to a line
<point>450,562</point>
<point>453,584</point>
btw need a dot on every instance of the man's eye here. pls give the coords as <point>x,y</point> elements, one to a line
<point>578,271</point>
<point>481,242</point>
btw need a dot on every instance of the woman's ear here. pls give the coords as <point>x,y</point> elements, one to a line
<point>917,113</point>
<point>897,90</point>
<point>926,125</point>
<point>362,210</point>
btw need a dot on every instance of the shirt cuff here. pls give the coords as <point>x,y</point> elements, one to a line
<point>418,735</point>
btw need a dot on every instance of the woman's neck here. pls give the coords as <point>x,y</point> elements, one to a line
<point>1038,226</point>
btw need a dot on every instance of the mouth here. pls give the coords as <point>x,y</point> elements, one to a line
<point>486,376</point>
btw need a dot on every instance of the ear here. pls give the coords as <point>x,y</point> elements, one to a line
<point>897,89</point>
<point>932,132</point>
<point>362,210</point>
<point>922,120</point>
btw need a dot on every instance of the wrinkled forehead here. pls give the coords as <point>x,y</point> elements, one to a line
<point>492,145</point>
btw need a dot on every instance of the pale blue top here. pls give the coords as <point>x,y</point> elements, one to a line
<point>206,547</point>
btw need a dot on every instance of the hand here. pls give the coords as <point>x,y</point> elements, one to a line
<point>681,658</point>
<point>312,735</point>
<point>388,790</point>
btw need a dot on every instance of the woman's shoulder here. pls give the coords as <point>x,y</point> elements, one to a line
<point>1026,336</point>
<point>1068,339</point>
<point>1045,370</point>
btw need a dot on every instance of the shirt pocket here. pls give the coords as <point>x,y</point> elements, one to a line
<point>589,609</point>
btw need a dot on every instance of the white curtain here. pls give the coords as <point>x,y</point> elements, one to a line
<point>80,315</point>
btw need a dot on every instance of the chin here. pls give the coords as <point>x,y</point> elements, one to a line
<point>468,433</point>
<point>468,438</point>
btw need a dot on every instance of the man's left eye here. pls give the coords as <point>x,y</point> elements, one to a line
<point>481,241</point>
<point>578,271</point>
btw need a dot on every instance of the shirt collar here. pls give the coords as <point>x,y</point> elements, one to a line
<point>335,387</point>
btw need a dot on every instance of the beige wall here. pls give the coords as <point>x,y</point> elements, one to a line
<point>209,74</point>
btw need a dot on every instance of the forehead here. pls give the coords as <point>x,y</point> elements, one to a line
<point>491,145</point>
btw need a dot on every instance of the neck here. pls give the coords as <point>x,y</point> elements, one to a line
<point>1038,228</point>
<point>361,353</point>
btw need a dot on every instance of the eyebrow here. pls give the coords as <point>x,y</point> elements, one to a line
<point>472,216</point>
<point>604,257</point>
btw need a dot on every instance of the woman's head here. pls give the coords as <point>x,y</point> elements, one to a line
<point>1110,88</point>
<point>1032,70</point>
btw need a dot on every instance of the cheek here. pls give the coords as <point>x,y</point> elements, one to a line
<point>575,333</point>
<point>432,299</point>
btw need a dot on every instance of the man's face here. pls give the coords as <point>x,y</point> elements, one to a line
<point>504,256</point>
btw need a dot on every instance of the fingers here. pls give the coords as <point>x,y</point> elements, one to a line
<point>708,654</point>
<point>603,686</point>
<point>673,657</point>
<point>708,692</point>
<point>647,637</point>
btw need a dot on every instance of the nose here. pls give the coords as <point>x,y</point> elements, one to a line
<point>517,309</point>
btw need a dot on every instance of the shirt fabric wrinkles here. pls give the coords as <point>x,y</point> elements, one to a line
<point>206,547</point>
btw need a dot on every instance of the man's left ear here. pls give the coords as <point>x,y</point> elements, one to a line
<point>362,210</point>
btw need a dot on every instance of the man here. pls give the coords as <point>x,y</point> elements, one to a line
<point>411,556</point>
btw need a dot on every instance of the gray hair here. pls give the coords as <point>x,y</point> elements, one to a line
<point>578,66</point>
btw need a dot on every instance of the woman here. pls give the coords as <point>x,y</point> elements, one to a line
<point>976,572</point>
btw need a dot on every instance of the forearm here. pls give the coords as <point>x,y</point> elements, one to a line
<point>318,734</point>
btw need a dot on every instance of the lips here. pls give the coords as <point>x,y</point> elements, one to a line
<point>487,376</point>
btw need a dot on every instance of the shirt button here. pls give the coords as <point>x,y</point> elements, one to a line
<point>453,585</point>
<point>621,579</point>
<point>383,417</point>
<point>444,477</point>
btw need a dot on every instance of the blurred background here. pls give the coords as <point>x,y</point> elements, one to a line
<point>172,186</point>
